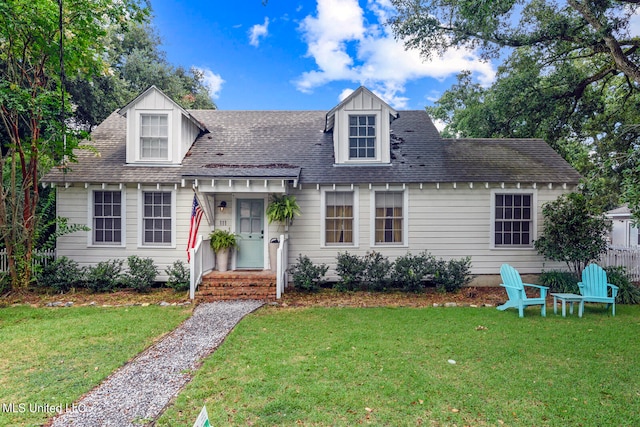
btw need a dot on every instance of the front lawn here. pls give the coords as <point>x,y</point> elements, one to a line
<point>420,366</point>
<point>52,356</point>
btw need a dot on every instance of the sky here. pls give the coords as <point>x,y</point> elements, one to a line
<point>303,54</point>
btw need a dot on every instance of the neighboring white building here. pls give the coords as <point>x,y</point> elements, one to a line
<point>623,232</point>
<point>367,178</point>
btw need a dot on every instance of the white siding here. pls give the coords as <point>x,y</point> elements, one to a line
<point>449,223</point>
<point>189,134</point>
<point>73,203</point>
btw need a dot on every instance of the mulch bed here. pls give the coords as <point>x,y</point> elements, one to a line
<point>291,298</point>
<point>330,298</point>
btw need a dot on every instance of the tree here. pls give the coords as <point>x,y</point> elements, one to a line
<point>572,233</point>
<point>32,104</point>
<point>569,76</point>
<point>591,29</point>
<point>135,61</point>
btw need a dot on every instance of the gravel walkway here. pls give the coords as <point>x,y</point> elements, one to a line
<point>139,391</point>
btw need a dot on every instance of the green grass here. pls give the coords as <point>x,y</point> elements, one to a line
<point>52,356</point>
<point>389,366</point>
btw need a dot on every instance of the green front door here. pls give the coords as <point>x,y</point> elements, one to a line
<point>250,228</point>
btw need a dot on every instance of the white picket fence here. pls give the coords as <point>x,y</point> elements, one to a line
<point>619,256</point>
<point>39,258</point>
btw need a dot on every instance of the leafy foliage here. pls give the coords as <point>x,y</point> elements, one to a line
<point>351,269</point>
<point>104,276</point>
<point>61,275</point>
<point>377,271</point>
<point>572,233</point>
<point>135,63</point>
<point>628,292</point>
<point>409,271</point>
<point>140,275</point>
<point>222,239</point>
<point>450,276</point>
<point>179,276</point>
<point>592,30</point>
<point>282,208</point>
<point>307,276</point>
<point>570,76</point>
<point>559,281</point>
<point>33,106</point>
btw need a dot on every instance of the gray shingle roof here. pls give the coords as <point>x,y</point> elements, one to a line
<point>293,145</point>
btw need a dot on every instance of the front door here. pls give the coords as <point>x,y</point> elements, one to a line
<point>250,229</point>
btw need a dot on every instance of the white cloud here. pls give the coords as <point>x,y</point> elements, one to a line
<point>344,94</point>
<point>346,45</point>
<point>258,32</point>
<point>212,81</point>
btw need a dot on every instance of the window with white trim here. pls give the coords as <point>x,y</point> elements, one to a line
<point>339,219</point>
<point>389,218</point>
<point>154,136</point>
<point>513,216</point>
<point>107,217</point>
<point>156,218</point>
<point>362,136</point>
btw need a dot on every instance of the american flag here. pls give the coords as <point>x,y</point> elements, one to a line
<point>196,216</point>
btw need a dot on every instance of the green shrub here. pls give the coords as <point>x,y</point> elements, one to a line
<point>351,269</point>
<point>179,276</point>
<point>307,276</point>
<point>559,281</point>
<point>450,276</point>
<point>377,269</point>
<point>573,232</point>
<point>61,275</point>
<point>628,292</point>
<point>141,274</point>
<point>104,276</point>
<point>409,271</point>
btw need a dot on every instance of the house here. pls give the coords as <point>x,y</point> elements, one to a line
<point>366,177</point>
<point>623,232</point>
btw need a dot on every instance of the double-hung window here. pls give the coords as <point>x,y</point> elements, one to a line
<point>389,218</point>
<point>339,218</point>
<point>362,136</point>
<point>513,220</point>
<point>156,218</point>
<point>154,136</point>
<point>107,217</point>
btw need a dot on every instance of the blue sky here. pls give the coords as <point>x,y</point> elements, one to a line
<point>303,55</point>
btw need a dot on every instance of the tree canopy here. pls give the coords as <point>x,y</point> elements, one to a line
<point>590,29</point>
<point>569,74</point>
<point>134,61</point>
<point>34,54</point>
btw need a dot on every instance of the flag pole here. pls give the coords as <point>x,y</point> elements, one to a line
<point>204,211</point>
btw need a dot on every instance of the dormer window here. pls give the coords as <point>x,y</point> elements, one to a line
<point>362,137</point>
<point>159,131</point>
<point>361,126</point>
<point>154,136</point>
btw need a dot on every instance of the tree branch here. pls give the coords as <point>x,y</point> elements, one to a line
<point>615,50</point>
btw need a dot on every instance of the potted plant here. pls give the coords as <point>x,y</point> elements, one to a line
<point>221,242</point>
<point>283,209</point>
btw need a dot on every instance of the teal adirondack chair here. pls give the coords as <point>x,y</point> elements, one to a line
<point>595,288</point>
<point>512,282</point>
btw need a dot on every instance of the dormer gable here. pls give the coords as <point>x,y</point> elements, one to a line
<point>361,129</point>
<point>159,131</point>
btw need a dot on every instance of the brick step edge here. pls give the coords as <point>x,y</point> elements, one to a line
<point>215,285</point>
